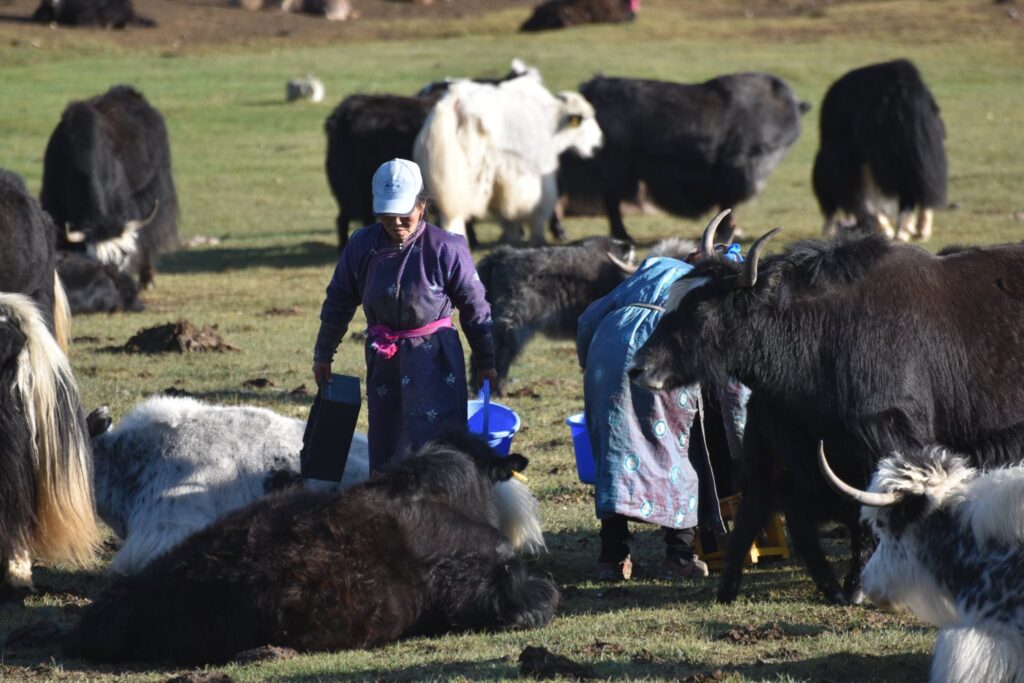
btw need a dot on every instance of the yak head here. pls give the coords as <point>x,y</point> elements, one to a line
<point>463,469</point>
<point>909,508</point>
<point>704,315</point>
<point>577,128</point>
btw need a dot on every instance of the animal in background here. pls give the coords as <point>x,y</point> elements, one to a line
<point>494,149</point>
<point>693,147</point>
<point>881,148</point>
<point>107,182</point>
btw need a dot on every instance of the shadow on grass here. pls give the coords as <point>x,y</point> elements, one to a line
<point>221,259</point>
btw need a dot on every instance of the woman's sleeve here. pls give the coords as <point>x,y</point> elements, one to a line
<point>467,293</point>
<point>588,323</point>
<point>340,304</point>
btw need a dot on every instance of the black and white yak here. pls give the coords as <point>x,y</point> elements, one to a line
<point>175,465</point>
<point>95,287</point>
<point>418,549</point>
<point>28,257</point>
<point>107,182</point>
<point>881,143</point>
<point>870,345</point>
<point>693,146</point>
<point>951,551</point>
<point>46,494</point>
<point>555,14</point>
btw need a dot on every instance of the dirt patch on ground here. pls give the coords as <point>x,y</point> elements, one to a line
<point>749,635</point>
<point>541,663</point>
<point>180,337</point>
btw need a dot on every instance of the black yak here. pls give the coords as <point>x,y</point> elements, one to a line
<point>107,181</point>
<point>881,141</point>
<point>694,146</point>
<point>563,13</point>
<point>105,13</point>
<point>534,289</point>
<point>46,494</point>
<point>869,345</point>
<point>28,257</point>
<point>418,549</point>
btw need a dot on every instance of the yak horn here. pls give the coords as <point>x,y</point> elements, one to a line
<point>749,276</point>
<point>73,236</point>
<point>707,242</point>
<point>132,226</point>
<point>877,500</point>
<point>628,268</point>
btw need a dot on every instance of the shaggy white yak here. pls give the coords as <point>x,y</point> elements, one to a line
<point>174,465</point>
<point>494,148</point>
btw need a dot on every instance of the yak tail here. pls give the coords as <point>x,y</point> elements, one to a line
<point>518,510</point>
<point>441,152</point>
<point>65,526</point>
<point>61,315</point>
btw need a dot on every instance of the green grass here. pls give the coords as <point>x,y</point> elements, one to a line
<point>249,171</point>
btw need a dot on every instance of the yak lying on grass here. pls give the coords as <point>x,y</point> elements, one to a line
<point>175,465</point>
<point>418,549</point>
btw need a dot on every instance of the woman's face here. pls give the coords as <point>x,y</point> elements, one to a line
<point>399,228</point>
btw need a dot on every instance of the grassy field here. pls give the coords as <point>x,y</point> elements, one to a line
<point>249,170</point>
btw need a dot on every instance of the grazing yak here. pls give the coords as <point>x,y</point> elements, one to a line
<point>107,181</point>
<point>881,142</point>
<point>105,13</point>
<point>494,148</point>
<point>46,494</point>
<point>28,258</point>
<point>546,289</point>
<point>418,549</point>
<point>175,465</point>
<point>95,287</point>
<point>364,131</point>
<point>951,551</point>
<point>694,146</point>
<point>562,13</point>
<point>869,345</point>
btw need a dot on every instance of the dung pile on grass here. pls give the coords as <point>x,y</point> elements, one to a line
<point>180,337</point>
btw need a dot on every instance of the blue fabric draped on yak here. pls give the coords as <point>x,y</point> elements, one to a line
<point>640,438</point>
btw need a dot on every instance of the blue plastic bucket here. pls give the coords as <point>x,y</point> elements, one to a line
<point>585,467</point>
<point>502,425</point>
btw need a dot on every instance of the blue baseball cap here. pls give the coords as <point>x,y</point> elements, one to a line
<point>396,184</point>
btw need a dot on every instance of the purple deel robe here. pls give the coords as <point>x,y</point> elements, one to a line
<point>421,390</point>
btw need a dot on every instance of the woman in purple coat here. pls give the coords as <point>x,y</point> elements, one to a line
<point>408,275</point>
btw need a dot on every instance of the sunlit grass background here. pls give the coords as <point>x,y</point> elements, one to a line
<point>249,171</point>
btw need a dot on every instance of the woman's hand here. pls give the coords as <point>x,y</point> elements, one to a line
<point>321,372</point>
<point>481,375</point>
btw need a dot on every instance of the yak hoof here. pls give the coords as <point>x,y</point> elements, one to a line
<point>727,594</point>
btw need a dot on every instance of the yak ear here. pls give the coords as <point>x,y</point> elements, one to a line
<point>98,421</point>
<point>501,469</point>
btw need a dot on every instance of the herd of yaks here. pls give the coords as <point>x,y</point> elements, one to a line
<point>831,352</point>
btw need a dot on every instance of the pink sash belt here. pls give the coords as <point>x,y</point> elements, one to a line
<point>384,337</point>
